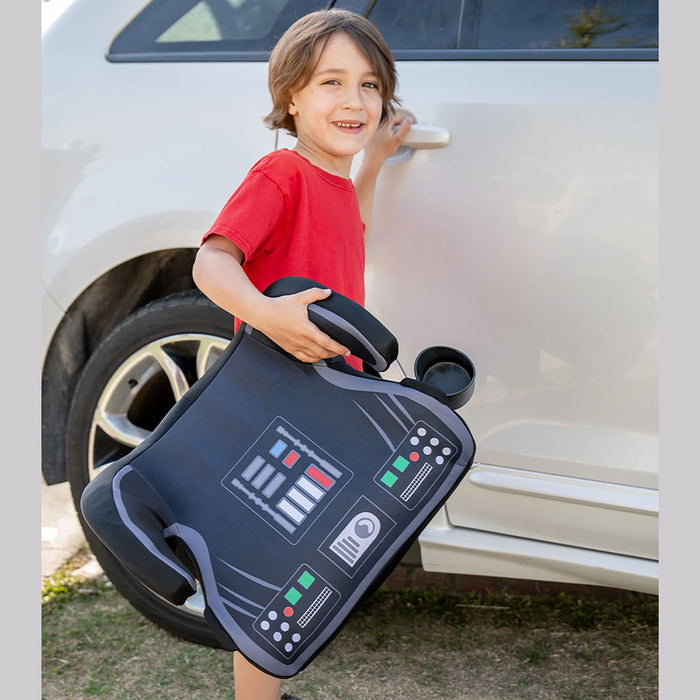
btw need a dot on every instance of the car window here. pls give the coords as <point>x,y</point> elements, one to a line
<point>218,20</point>
<point>239,30</point>
<point>191,29</point>
<point>513,24</point>
<point>422,24</point>
<point>563,24</point>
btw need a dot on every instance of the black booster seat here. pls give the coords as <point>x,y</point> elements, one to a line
<point>293,488</point>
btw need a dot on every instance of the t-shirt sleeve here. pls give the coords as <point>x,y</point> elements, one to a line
<point>252,215</point>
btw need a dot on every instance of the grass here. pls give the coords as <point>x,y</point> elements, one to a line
<point>417,644</point>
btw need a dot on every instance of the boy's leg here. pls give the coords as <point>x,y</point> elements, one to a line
<point>250,683</point>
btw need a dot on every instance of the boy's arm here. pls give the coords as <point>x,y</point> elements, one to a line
<point>382,145</point>
<point>217,272</point>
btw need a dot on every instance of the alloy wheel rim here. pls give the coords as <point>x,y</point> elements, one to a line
<point>139,394</point>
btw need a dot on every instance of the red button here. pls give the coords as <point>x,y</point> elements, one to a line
<point>319,477</point>
<point>290,459</point>
<point>414,456</point>
<point>288,612</point>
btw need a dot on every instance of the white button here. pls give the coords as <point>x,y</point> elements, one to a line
<point>427,450</point>
<point>446,451</point>
<point>284,626</point>
<point>434,441</point>
<point>277,637</point>
<point>272,615</point>
<point>288,647</point>
<point>265,625</point>
<point>414,440</point>
<point>439,459</point>
<point>296,637</point>
<point>422,432</point>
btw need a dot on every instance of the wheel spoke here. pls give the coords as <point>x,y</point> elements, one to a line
<point>121,429</point>
<point>208,352</point>
<point>176,377</point>
<point>124,390</point>
<point>111,413</point>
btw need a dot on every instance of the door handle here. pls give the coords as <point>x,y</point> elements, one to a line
<point>426,136</point>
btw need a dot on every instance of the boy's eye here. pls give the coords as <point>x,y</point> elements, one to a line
<point>332,81</point>
<point>370,84</point>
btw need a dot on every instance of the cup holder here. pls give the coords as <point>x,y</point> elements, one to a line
<point>449,370</point>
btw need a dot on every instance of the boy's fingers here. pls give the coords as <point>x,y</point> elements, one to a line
<point>404,128</point>
<point>327,347</point>
<point>326,343</point>
<point>305,357</point>
<point>309,296</point>
<point>317,344</point>
<point>321,348</point>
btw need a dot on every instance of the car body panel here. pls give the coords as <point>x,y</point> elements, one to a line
<point>535,232</point>
<point>196,151</point>
<point>475,552</point>
<point>51,315</point>
<point>548,507</point>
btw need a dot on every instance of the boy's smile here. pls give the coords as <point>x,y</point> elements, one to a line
<point>338,111</point>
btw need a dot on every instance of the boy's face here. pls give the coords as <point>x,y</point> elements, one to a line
<point>338,111</point>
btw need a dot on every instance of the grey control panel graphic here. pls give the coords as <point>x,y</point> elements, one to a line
<point>416,465</point>
<point>286,479</point>
<point>292,616</point>
<point>358,533</point>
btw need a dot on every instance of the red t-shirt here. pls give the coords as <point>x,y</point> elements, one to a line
<point>290,217</point>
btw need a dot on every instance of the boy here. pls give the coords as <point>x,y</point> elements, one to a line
<point>332,81</point>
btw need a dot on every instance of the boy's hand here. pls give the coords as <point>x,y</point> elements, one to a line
<point>384,143</point>
<point>387,139</point>
<point>286,322</point>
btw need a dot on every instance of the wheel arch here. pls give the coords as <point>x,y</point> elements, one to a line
<point>100,307</point>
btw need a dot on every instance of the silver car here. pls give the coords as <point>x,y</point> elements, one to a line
<point>518,224</point>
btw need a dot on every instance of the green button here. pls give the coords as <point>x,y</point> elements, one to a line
<point>292,595</point>
<point>306,579</point>
<point>401,463</point>
<point>389,479</point>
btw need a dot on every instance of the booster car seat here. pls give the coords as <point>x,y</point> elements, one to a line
<point>289,490</point>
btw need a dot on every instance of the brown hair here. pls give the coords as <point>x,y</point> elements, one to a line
<point>292,60</point>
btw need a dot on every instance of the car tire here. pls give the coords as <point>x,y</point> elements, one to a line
<point>129,383</point>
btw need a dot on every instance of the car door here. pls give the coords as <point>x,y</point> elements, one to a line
<point>529,242</point>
